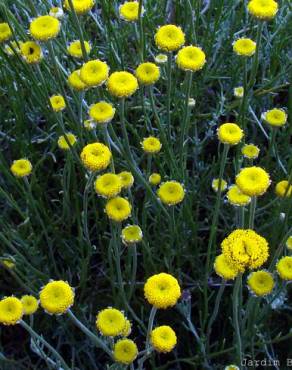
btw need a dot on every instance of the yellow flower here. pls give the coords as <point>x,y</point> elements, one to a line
<point>230,133</point>
<point>11,311</point>
<point>30,304</point>
<point>169,38</point>
<point>57,297</point>
<point>129,11</point>
<point>96,156</point>
<point>282,189</point>
<point>260,282</point>
<point>63,141</point>
<point>162,290</point>
<point>127,329</point>
<point>238,92</point>
<point>284,268</point>
<point>191,102</point>
<point>215,185</point>
<point>94,73</point>
<point>250,151</point>
<point>118,209</point>
<point>10,264</point>
<point>56,12</point>
<point>275,117</point>
<point>231,367</point>
<point>151,145</point>
<point>31,52</point>
<point>147,73</point>
<point>126,178</point>
<point>191,58</point>
<point>131,234</point>
<point>289,243</point>
<point>253,181</point>
<point>5,32</point>
<point>244,47</point>
<point>236,197</point>
<point>122,84</point>
<point>110,322</point>
<point>163,339</point>
<point>171,193</point>
<point>44,28</point>
<point>108,185</point>
<point>160,58</point>
<point>80,6</point>
<point>224,269</point>
<point>125,351</point>
<point>75,49</point>
<point>245,249</point>
<point>263,9</point>
<point>57,103</point>
<point>102,112</point>
<point>155,178</point>
<point>21,167</point>
<point>75,81</point>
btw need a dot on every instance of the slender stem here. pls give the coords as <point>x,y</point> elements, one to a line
<point>141,30</point>
<point>237,317</point>
<point>133,249</point>
<point>168,96</point>
<point>184,131</point>
<point>256,57</point>
<point>150,327</point>
<point>252,209</point>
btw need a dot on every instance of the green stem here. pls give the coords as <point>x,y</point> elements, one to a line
<point>237,317</point>
<point>150,327</point>
<point>141,30</point>
<point>252,210</point>
<point>256,57</point>
<point>168,97</point>
<point>185,124</point>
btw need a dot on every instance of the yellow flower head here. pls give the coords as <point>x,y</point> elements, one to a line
<point>75,49</point>
<point>215,185</point>
<point>127,329</point>
<point>94,73</point>
<point>238,92</point>
<point>11,311</point>
<point>244,47</point>
<point>56,12</point>
<point>75,81</point>
<point>263,9</point>
<point>108,185</point>
<point>284,268</point>
<point>169,37</point>
<point>132,234</point>
<point>191,58</point>
<point>224,269</point>
<point>163,339</point>
<point>171,193</point>
<point>129,11</point>
<point>21,168</point>
<point>282,189</point>
<point>260,282</point>
<point>147,73</point>
<point>9,263</point>
<point>151,145</point>
<point>236,197</point>
<point>289,243</point>
<point>102,112</point>
<point>44,28</point>
<point>125,351</point>
<point>31,52</point>
<point>231,367</point>
<point>191,102</point>
<point>126,178</point>
<point>275,117</point>
<point>65,140</point>
<point>30,304</point>
<point>230,133</point>
<point>57,297</point>
<point>80,6</point>
<point>155,178</point>
<point>245,249</point>
<point>118,209</point>
<point>110,322</point>
<point>122,84</point>
<point>57,103</point>
<point>5,32</point>
<point>162,290</point>
<point>160,58</point>
<point>253,181</point>
<point>250,151</point>
<point>96,156</point>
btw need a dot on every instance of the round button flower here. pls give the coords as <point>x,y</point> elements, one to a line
<point>231,367</point>
<point>171,193</point>
<point>67,140</point>
<point>127,329</point>
<point>75,81</point>
<point>118,209</point>
<point>56,12</point>
<point>163,339</point>
<point>169,37</point>
<point>75,49</point>
<point>275,117</point>
<point>215,185</point>
<point>151,145</point>
<point>282,189</point>
<point>289,243</point>
<point>57,297</point>
<point>102,112</point>
<point>244,47</point>
<point>80,6</point>
<point>155,178</point>
<point>284,268</point>
<point>30,304</point>
<point>108,185</point>
<point>125,351</point>
<point>147,73</point>
<point>238,92</point>
<point>11,311</point>
<point>230,133</point>
<point>21,168</point>
<point>160,58</point>
<point>122,84</point>
<point>191,58</point>
<point>129,11</point>
<point>96,156</point>
<point>253,181</point>
<point>94,73</point>
<point>44,28</point>
<point>263,9</point>
<point>162,290</point>
<point>236,197</point>
<point>260,282</point>
<point>126,178</point>
<point>250,151</point>
<point>5,32</point>
<point>110,322</point>
<point>57,103</point>
<point>132,234</point>
<point>224,269</point>
<point>31,52</point>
